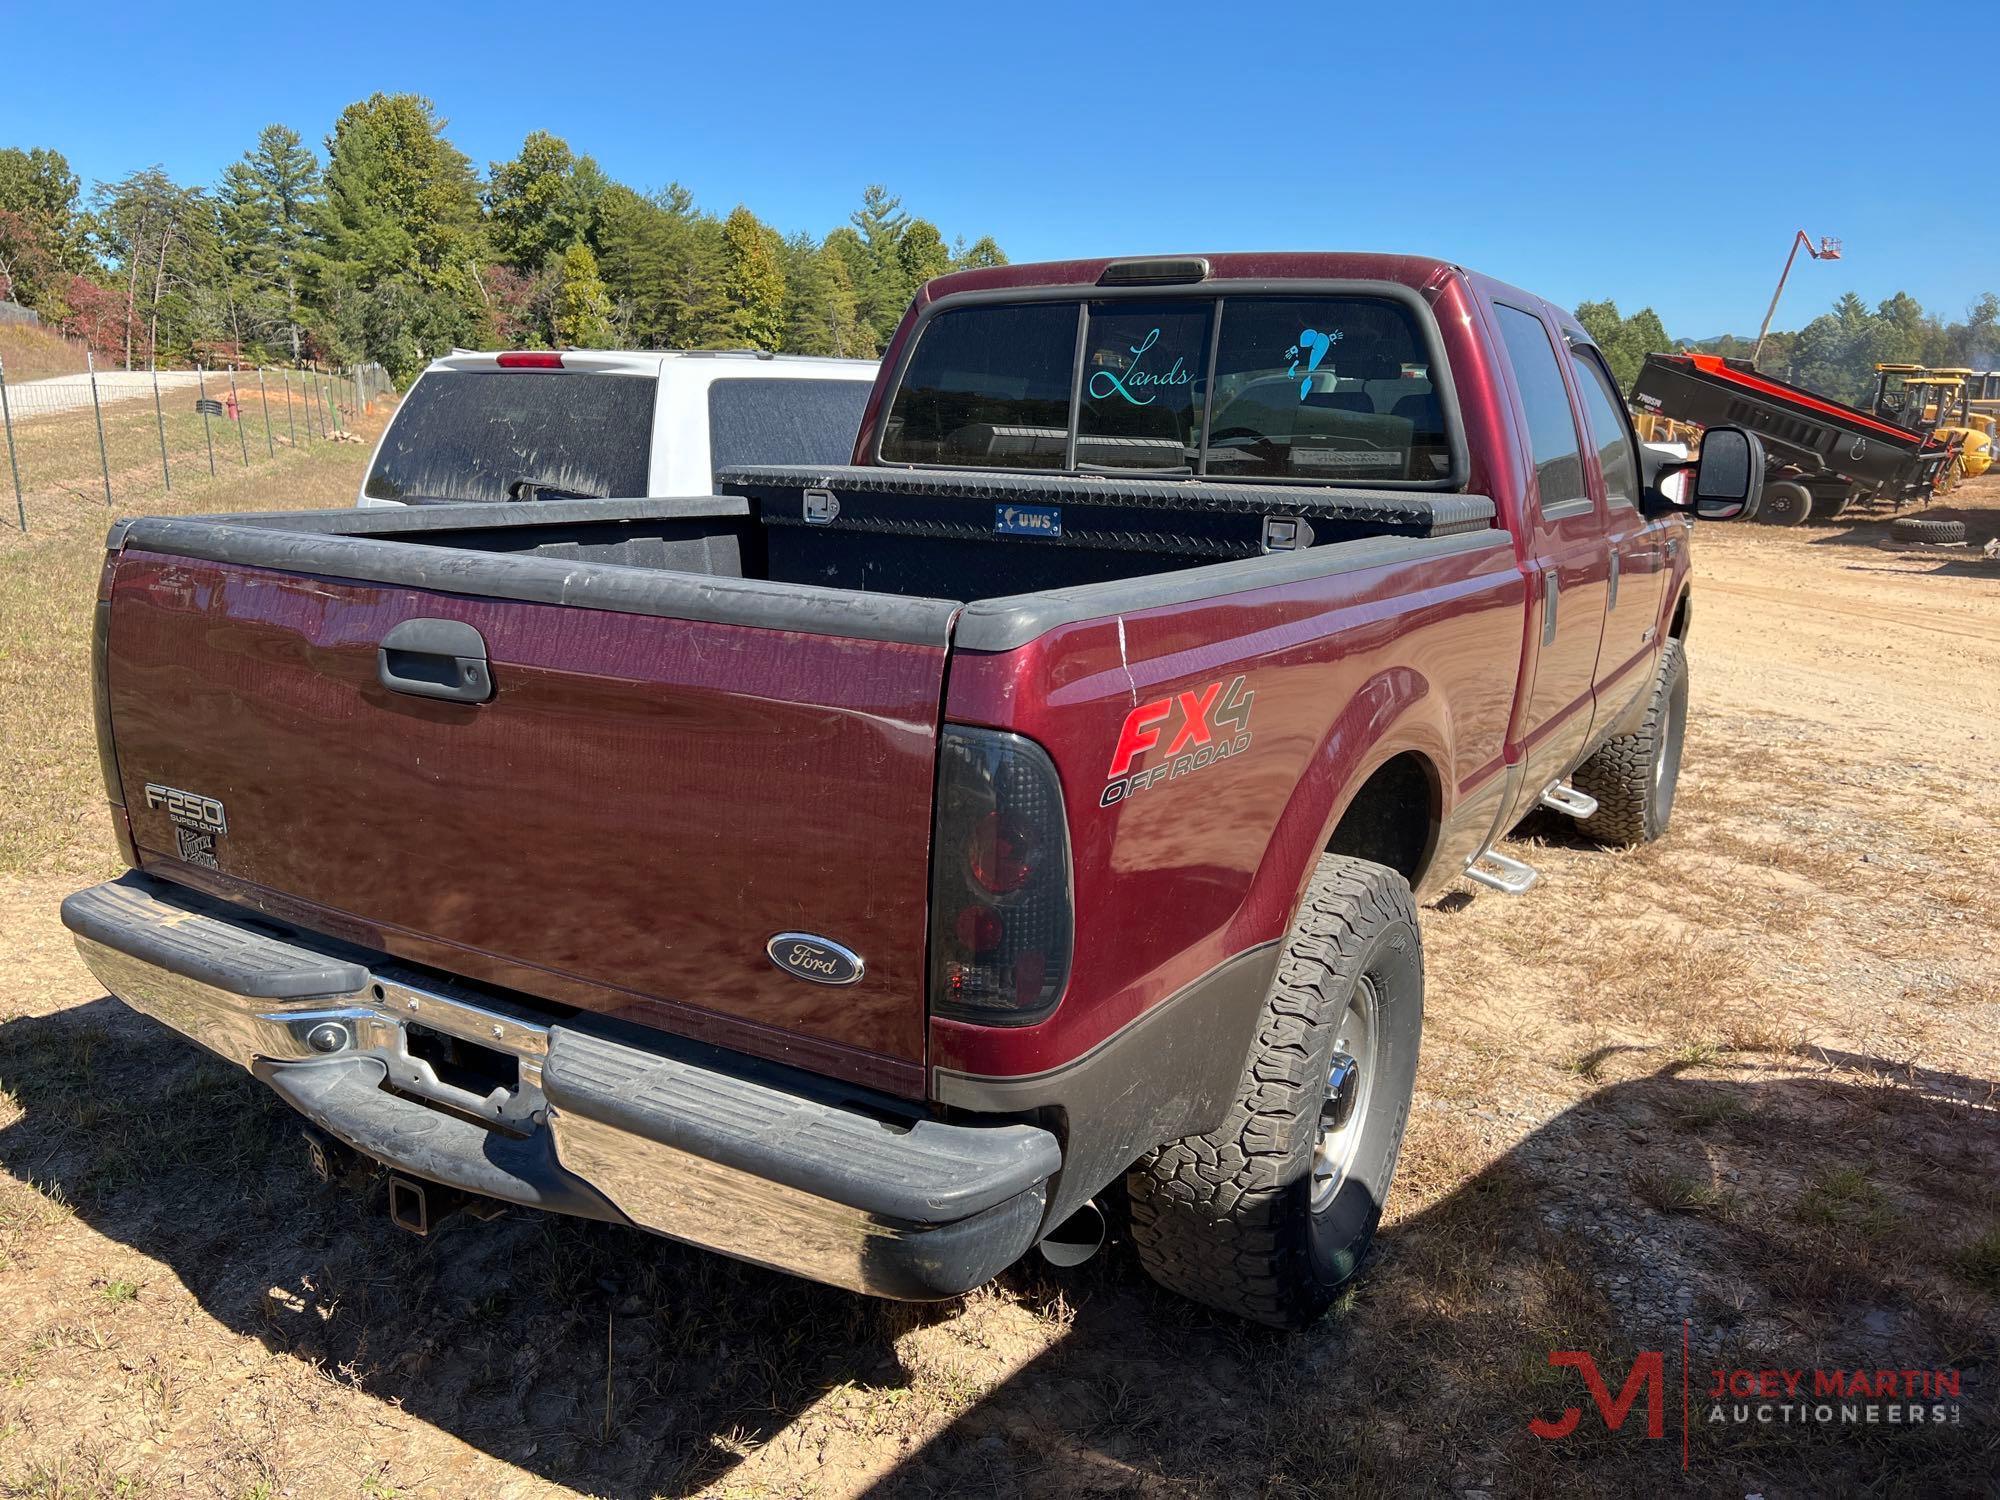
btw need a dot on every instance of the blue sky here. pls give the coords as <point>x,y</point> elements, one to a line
<point>1663,155</point>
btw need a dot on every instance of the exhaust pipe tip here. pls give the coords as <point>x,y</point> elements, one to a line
<point>1076,1239</point>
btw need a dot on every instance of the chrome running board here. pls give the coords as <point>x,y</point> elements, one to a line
<point>1508,876</point>
<point>1564,798</point>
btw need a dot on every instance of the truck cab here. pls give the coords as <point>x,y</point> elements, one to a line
<point>532,424</point>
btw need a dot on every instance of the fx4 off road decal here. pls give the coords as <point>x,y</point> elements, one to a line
<point>1201,727</point>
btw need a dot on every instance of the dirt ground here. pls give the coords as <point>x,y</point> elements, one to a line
<point>1741,1087</point>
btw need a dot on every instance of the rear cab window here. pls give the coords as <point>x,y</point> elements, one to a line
<point>1323,389</point>
<point>489,435</point>
<point>773,420</point>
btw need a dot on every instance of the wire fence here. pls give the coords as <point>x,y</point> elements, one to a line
<point>131,435</point>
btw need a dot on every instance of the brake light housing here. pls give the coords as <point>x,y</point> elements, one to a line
<point>529,359</point>
<point>100,702</point>
<point>1002,904</point>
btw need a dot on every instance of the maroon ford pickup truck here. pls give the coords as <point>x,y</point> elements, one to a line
<point>863,871</point>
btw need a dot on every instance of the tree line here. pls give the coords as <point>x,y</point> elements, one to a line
<point>392,247</point>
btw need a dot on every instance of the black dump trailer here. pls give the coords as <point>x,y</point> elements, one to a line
<point>1820,456</point>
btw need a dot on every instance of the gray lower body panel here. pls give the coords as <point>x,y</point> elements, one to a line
<point>757,1162</point>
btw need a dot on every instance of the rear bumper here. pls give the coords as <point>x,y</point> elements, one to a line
<point>621,1124</point>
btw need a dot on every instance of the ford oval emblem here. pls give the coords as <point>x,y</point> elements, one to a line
<point>815,959</point>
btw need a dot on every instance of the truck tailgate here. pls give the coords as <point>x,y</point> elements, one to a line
<point>641,806</point>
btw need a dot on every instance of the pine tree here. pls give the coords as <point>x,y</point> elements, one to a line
<point>662,264</point>
<point>582,307</point>
<point>920,255</point>
<point>819,302</point>
<point>978,256</point>
<point>398,273</point>
<point>753,284</point>
<point>879,287</point>
<point>263,208</point>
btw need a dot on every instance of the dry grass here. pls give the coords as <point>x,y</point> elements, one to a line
<point>55,819</point>
<point>31,353</point>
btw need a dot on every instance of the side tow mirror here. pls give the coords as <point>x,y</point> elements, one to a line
<point>1727,480</point>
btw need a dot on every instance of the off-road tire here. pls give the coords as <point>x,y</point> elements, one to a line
<point>1921,529</point>
<point>1785,503</point>
<point>1633,776</point>
<point>1227,1218</point>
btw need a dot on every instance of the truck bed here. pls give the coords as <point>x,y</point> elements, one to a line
<point>928,536</point>
<point>702,725</point>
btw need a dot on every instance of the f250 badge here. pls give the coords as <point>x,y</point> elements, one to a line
<point>197,821</point>
<point>816,960</point>
<point>1210,724</point>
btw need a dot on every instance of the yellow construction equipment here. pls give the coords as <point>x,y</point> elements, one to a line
<point>1937,401</point>
<point>1952,416</point>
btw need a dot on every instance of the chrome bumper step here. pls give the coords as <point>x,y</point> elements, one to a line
<point>600,1121</point>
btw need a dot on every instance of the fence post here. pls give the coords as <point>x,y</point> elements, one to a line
<point>201,388</point>
<point>270,446</point>
<point>160,418</point>
<point>242,437</point>
<point>103,458</point>
<point>305,396</point>
<point>326,411</point>
<point>13,458</point>
<point>291,418</point>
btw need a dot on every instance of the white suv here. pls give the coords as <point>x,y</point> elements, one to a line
<point>594,423</point>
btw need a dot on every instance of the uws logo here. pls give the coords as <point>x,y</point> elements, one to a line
<point>1027,520</point>
<point>1209,725</point>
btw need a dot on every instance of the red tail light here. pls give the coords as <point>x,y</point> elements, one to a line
<point>1001,853</point>
<point>100,698</point>
<point>1001,923</point>
<point>530,359</point>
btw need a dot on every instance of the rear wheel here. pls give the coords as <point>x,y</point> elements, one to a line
<point>1633,777</point>
<point>1785,503</point>
<point>1269,1213</point>
<point>1831,507</point>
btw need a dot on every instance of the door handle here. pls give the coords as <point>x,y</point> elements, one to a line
<point>1549,601</point>
<point>435,659</point>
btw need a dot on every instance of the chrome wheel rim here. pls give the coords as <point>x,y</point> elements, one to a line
<point>1343,1108</point>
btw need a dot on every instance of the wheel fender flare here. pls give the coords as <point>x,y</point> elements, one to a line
<point>1393,713</point>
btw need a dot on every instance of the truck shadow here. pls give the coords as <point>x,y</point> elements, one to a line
<point>1795,1221</point>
